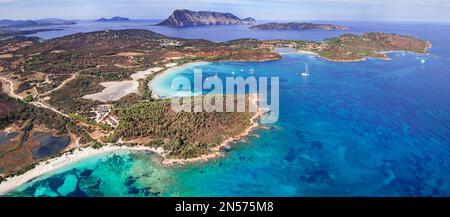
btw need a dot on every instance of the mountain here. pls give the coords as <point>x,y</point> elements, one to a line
<point>185,17</point>
<point>297,26</point>
<point>55,21</point>
<point>7,22</point>
<point>113,19</point>
<point>14,24</point>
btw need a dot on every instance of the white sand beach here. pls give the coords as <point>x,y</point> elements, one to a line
<point>83,153</point>
<point>172,68</point>
<point>114,90</point>
<point>64,160</point>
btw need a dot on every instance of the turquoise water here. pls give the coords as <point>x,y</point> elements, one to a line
<point>372,128</point>
<point>162,85</point>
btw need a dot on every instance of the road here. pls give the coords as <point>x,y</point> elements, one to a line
<point>11,89</point>
<point>35,103</point>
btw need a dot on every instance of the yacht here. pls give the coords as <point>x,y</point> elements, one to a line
<point>306,72</point>
<point>251,71</point>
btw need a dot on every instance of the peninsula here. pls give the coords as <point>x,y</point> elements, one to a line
<point>44,84</point>
<point>182,18</point>
<point>17,24</point>
<point>297,26</point>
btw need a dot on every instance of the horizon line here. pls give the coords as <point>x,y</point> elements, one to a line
<point>276,20</point>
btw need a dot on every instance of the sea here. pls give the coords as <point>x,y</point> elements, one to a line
<point>374,128</point>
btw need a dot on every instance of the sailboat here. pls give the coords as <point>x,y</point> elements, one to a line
<point>216,75</point>
<point>251,71</point>
<point>306,72</point>
<point>233,72</point>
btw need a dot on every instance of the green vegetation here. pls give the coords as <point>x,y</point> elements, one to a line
<point>68,99</point>
<point>96,57</point>
<point>97,145</point>
<point>28,98</point>
<point>90,122</point>
<point>184,134</point>
<point>350,47</point>
<point>29,117</point>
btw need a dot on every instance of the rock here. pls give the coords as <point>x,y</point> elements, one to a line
<point>184,17</point>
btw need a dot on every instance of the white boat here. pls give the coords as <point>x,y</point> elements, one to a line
<point>251,71</point>
<point>242,70</point>
<point>233,72</point>
<point>306,72</point>
<point>423,61</point>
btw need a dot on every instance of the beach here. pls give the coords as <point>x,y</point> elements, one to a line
<point>170,69</point>
<point>80,154</point>
<point>67,158</point>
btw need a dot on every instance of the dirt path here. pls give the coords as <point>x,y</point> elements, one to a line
<point>75,75</point>
<point>11,88</point>
<point>35,103</point>
<point>43,105</point>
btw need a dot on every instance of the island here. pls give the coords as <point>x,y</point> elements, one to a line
<point>6,33</point>
<point>113,19</point>
<point>17,24</point>
<point>183,18</point>
<point>297,26</point>
<point>46,118</point>
<point>351,47</point>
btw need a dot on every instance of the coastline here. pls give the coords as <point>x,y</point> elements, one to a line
<point>387,58</point>
<point>163,72</point>
<point>79,154</point>
<point>216,151</point>
<point>305,52</point>
<point>169,70</point>
<point>67,158</point>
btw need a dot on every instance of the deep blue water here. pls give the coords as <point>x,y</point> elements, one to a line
<point>372,128</point>
<point>231,32</point>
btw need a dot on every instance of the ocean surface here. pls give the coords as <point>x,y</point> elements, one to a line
<point>227,32</point>
<point>372,128</point>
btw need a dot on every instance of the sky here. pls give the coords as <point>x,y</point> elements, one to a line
<point>302,10</point>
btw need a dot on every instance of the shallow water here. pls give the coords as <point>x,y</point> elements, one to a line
<point>372,128</point>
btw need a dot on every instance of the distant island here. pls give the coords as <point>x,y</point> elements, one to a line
<point>297,26</point>
<point>181,18</point>
<point>113,19</point>
<point>16,24</point>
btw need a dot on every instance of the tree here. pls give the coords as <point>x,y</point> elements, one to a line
<point>28,98</point>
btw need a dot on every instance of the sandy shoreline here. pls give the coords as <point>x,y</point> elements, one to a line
<point>78,155</point>
<point>216,151</point>
<point>67,158</point>
<point>169,70</point>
